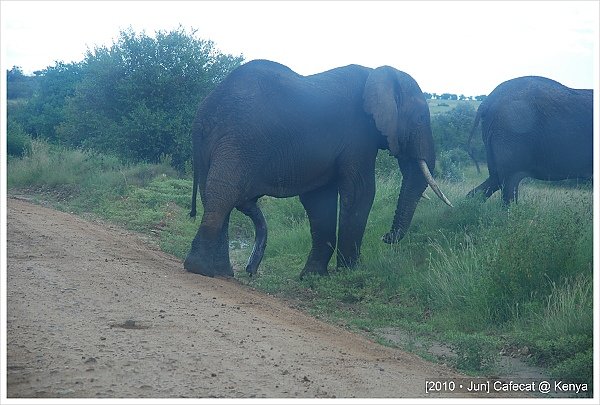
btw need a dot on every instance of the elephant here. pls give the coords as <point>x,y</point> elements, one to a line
<point>266,130</point>
<point>535,127</point>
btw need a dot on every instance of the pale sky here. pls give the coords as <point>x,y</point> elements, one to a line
<point>457,47</point>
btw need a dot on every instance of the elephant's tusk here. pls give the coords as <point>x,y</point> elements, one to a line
<point>425,197</point>
<point>432,183</point>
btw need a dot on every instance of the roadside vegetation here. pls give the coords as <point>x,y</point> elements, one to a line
<point>480,278</point>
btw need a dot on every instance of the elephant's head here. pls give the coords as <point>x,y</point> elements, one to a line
<point>401,114</point>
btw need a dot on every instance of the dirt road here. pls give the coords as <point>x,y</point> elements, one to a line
<point>94,311</point>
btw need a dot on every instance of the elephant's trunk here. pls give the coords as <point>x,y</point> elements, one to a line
<point>416,177</point>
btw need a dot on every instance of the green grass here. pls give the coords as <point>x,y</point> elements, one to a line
<point>477,277</point>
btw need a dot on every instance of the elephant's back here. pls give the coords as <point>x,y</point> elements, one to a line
<point>253,80</point>
<point>536,101</point>
<point>233,105</point>
<point>532,88</point>
<point>267,97</point>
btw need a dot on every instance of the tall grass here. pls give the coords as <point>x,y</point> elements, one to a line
<point>477,277</point>
<point>569,308</point>
<point>81,180</point>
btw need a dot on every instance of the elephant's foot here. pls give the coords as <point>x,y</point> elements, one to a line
<point>251,269</point>
<point>393,237</point>
<point>194,264</point>
<point>480,194</point>
<point>314,268</point>
<point>485,189</point>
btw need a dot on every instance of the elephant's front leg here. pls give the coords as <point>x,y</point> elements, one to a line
<point>356,199</point>
<point>321,208</point>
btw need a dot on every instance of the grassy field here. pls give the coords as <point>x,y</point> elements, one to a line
<point>479,278</point>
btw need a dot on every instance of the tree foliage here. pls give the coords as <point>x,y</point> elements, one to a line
<point>451,129</point>
<point>18,85</point>
<point>45,110</point>
<point>451,132</point>
<point>137,98</point>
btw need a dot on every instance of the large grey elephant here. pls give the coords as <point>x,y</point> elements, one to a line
<point>534,127</point>
<point>266,130</point>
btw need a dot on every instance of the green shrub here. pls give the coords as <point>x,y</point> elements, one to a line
<point>386,166</point>
<point>534,250</point>
<point>452,163</point>
<point>474,352</point>
<point>451,129</point>
<point>18,143</point>
<point>551,350</point>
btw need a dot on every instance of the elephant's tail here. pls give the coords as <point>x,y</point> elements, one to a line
<point>471,151</point>
<point>251,210</point>
<point>194,194</point>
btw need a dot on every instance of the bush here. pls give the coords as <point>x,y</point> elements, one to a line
<point>137,98</point>
<point>451,129</point>
<point>18,143</point>
<point>386,165</point>
<point>452,164</point>
<point>534,251</point>
<point>474,352</point>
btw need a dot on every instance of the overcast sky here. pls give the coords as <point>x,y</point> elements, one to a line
<point>450,46</point>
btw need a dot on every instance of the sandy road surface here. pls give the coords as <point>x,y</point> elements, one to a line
<point>94,311</point>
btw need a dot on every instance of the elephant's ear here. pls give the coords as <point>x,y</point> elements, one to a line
<point>382,98</point>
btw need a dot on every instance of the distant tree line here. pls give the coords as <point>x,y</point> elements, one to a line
<point>135,99</point>
<point>450,96</point>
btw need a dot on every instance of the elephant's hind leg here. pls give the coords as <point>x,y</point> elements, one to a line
<point>321,208</point>
<point>487,188</point>
<point>252,210</point>
<point>209,254</point>
<point>510,188</point>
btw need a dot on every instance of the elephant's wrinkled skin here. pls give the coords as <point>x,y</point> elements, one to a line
<point>265,130</point>
<point>534,127</point>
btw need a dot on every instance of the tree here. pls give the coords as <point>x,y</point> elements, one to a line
<point>138,97</point>
<point>45,110</point>
<point>451,131</point>
<point>448,96</point>
<point>18,85</point>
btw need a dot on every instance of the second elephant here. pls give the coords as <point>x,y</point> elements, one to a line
<point>534,127</point>
<point>266,130</point>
